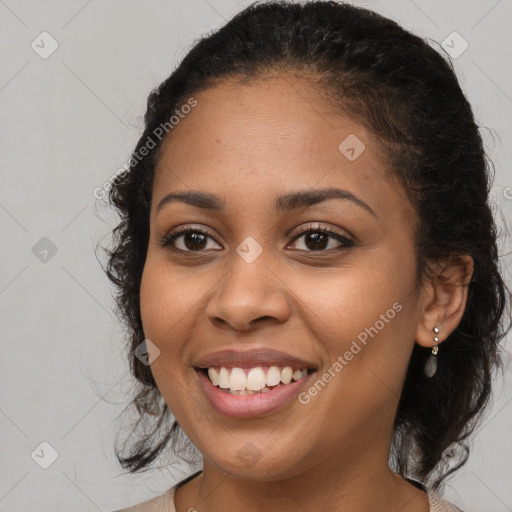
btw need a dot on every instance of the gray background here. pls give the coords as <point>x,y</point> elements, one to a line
<point>69,122</point>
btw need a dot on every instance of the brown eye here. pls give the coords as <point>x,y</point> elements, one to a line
<point>322,239</point>
<point>316,241</point>
<point>190,240</point>
<point>194,241</point>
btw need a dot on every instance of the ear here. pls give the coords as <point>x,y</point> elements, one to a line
<point>444,294</point>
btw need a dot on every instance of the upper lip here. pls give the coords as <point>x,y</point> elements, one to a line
<point>250,358</point>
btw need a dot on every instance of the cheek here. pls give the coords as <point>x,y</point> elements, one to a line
<point>170,304</point>
<point>353,298</point>
<point>365,315</point>
<point>168,298</point>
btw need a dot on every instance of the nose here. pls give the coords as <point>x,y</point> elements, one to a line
<point>249,295</point>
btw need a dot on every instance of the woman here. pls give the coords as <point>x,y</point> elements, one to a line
<point>307,264</point>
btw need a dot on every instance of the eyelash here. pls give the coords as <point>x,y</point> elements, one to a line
<point>168,239</point>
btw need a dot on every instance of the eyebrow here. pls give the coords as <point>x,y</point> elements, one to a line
<point>284,202</point>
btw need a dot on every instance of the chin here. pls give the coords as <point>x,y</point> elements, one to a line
<point>252,463</point>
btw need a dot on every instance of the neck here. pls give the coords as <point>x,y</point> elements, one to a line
<point>361,486</point>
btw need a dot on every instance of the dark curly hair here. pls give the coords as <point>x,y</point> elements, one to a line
<point>407,95</point>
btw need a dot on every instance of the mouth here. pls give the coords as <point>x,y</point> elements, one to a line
<point>253,380</point>
<point>251,383</point>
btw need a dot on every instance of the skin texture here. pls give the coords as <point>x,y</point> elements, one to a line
<point>247,144</point>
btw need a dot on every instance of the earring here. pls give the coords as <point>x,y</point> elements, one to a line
<point>431,364</point>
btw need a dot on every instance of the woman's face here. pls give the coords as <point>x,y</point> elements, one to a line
<point>257,285</point>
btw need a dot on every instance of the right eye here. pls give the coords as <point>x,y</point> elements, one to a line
<point>189,239</point>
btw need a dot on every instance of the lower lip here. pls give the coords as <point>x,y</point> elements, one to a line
<point>249,406</point>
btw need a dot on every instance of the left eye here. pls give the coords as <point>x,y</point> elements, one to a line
<point>321,240</point>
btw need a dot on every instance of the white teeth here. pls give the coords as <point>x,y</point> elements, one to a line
<point>224,378</point>
<point>256,379</point>
<point>286,375</point>
<point>236,382</point>
<point>214,376</point>
<point>297,375</point>
<point>273,376</point>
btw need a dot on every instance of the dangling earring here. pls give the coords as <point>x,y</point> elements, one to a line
<point>431,364</point>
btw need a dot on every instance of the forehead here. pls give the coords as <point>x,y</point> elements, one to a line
<point>268,136</point>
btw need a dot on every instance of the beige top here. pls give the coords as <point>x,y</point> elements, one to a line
<point>165,502</point>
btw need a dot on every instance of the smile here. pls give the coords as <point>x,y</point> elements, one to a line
<point>250,381</point>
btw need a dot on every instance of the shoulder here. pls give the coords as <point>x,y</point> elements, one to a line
<point>165,502</point>
<point>162,503</point>
<point>437,504</point>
